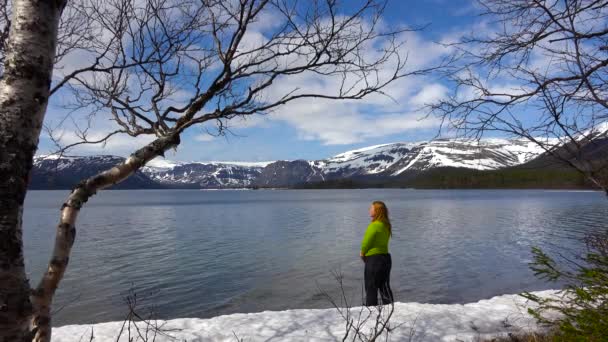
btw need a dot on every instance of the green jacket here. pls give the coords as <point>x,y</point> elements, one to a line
<point>375,240</point>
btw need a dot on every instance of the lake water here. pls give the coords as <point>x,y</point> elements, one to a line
<point>205,253</point>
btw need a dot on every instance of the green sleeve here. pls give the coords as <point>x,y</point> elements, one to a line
<point>368,239</point>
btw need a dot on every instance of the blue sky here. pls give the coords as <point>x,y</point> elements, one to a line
<point>294,133</point>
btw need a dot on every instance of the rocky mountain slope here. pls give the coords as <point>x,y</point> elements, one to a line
<point>382,161</point>
<point>204,175</point>
<point>53,172</point>
<point>394,159</point>
<point>391,160</point>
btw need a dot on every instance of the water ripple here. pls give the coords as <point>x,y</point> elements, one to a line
<point>203,253</point>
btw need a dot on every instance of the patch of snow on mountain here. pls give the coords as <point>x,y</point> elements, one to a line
<point>354,154</point>
<point>61,162</point>
<point>239,163</point>
<point>409,165</point>
<point>50,157</point>
<point>162,163</point>
<point>602,127</point>
<point>204,174</point>
<point>487,154</point>
<point>525,150</point>
<point>370,160</point>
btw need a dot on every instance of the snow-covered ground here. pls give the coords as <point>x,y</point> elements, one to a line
<point>422,322</point>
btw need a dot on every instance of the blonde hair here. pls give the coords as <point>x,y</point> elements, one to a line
<point>381,214</point>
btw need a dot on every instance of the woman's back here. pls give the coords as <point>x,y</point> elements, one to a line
<point>374,252</point>
<point>376,238</point>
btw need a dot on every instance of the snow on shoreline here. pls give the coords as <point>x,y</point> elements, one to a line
<point>424,322</point>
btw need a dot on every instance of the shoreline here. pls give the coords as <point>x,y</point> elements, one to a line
<point>378,188</point>
<point>497,316</point>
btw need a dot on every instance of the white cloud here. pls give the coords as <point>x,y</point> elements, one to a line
<point>266,20</point>
<point>428,94</point>
<point>377,115</point>
<point>336,123</point>
<point>120,144</point>
<point>204,137</point>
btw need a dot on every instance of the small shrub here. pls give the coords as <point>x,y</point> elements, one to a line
<point>581,314</point>
<point>533,337</point>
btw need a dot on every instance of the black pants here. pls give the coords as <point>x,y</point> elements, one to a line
<point>377,278</point>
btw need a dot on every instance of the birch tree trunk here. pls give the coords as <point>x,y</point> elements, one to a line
<point>42,296</point>
<point>24,92</point>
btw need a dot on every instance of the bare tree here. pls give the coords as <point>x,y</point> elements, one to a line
<point>159,67</point>
<point>538,73</point>
<point>36,38</point>
<point>27,47</point>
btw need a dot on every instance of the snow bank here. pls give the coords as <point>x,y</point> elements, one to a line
<point>424,322</point>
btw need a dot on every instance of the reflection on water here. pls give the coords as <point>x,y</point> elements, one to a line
<point>206,253</point>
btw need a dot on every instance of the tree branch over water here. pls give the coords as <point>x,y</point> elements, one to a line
<point>157,68</point>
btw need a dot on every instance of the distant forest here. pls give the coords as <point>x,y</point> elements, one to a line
<point>460,178</point>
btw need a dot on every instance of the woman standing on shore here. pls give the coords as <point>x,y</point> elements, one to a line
<point>374,252</point>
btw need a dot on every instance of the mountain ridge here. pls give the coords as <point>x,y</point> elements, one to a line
<point>384,161</point>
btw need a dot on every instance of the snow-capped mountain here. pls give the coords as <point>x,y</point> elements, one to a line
<point>289,173</point>
<point>388,160</point>
<point>54,172</point>
<point>204,175</point>
<point>394,159</point>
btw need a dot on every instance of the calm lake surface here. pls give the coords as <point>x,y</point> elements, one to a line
<point>205,253</point>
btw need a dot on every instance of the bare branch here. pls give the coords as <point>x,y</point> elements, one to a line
<point>540,75</point>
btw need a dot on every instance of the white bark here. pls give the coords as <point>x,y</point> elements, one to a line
<point>42,297</point>
<point>24,91</point>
